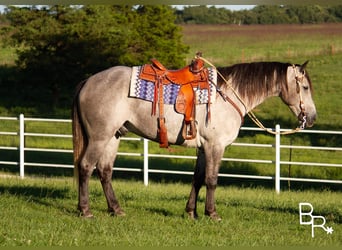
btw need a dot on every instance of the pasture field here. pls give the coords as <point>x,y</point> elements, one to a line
<point>320,44</point>
<point>229,44</point>
<point>42,212</point>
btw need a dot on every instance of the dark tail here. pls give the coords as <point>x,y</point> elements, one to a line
<point>78,132</point>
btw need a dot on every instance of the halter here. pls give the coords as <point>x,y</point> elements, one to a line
<point>298,78</point>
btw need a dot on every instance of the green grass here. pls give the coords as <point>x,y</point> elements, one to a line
<point>42,212</point>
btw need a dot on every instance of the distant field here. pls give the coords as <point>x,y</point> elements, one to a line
<point>229,44</point>
<point>320,44</point>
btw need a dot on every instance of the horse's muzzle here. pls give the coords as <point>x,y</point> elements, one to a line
<point>306,120</point>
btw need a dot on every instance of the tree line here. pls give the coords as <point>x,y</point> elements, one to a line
<point>262,14</point>
<point>59,46</point>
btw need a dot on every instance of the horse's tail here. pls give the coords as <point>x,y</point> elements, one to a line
<point>78,132</point>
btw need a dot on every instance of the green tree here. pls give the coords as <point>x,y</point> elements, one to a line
<point>61,45</point>
<point>336,12</point>
<point>262,14</point>
<point>155,35</point>
<point>205,15</point>
<point>311,14</point>
<point>270,14</point>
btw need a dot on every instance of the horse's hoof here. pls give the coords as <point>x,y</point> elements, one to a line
<point>87,215</point>
<point>214,216</point>
<point>118,212</point>
<point>192,215</point>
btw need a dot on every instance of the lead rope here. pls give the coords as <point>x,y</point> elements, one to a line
<point>251,115</point>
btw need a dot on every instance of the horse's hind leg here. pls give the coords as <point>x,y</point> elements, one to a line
<point>105,170</point>
<point>86,167</point>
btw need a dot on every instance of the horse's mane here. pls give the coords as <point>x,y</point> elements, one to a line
<point>253,80</point>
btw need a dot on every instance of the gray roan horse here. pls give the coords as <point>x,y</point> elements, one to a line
<point>103,112</point>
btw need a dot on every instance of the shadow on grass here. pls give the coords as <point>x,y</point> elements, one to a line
<point>332,215</point>
<point>42,195</point>
<point>30,191</point>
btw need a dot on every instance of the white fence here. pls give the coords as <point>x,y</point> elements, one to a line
<point>23,135</point>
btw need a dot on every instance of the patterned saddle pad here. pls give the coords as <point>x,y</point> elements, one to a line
<point>144,90</point>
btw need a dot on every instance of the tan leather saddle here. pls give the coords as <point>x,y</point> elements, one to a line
<point>189,77</point>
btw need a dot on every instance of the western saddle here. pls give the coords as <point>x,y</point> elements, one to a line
<point>192,76</point>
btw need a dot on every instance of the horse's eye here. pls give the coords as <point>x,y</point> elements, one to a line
<point>306,87</point>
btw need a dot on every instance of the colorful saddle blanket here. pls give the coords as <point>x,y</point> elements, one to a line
<point>143,89</point>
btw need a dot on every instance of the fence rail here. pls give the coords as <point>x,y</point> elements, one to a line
<point>22,134</point>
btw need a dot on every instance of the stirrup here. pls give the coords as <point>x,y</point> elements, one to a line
<point>189,130</point>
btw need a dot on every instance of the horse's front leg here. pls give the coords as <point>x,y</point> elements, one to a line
<point>213,155</point>
<point>197,182</point>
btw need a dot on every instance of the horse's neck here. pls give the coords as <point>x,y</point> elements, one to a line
<point>247,104</point>
<point>260,100</point>
<point>248,94</point>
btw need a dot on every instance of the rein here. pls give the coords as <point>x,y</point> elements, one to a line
<point>251,115</point>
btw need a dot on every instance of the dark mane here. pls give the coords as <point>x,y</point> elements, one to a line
<point>253,80</point>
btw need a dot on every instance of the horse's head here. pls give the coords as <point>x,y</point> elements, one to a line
<point>298,95</point>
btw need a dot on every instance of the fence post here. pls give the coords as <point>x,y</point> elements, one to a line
<point>277,159</point>
<point>21,144</point>
<point>145,162</point>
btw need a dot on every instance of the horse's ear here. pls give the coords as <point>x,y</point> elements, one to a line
<point>303,66</point>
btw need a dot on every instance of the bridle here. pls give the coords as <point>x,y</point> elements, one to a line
<point>299,81</point>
